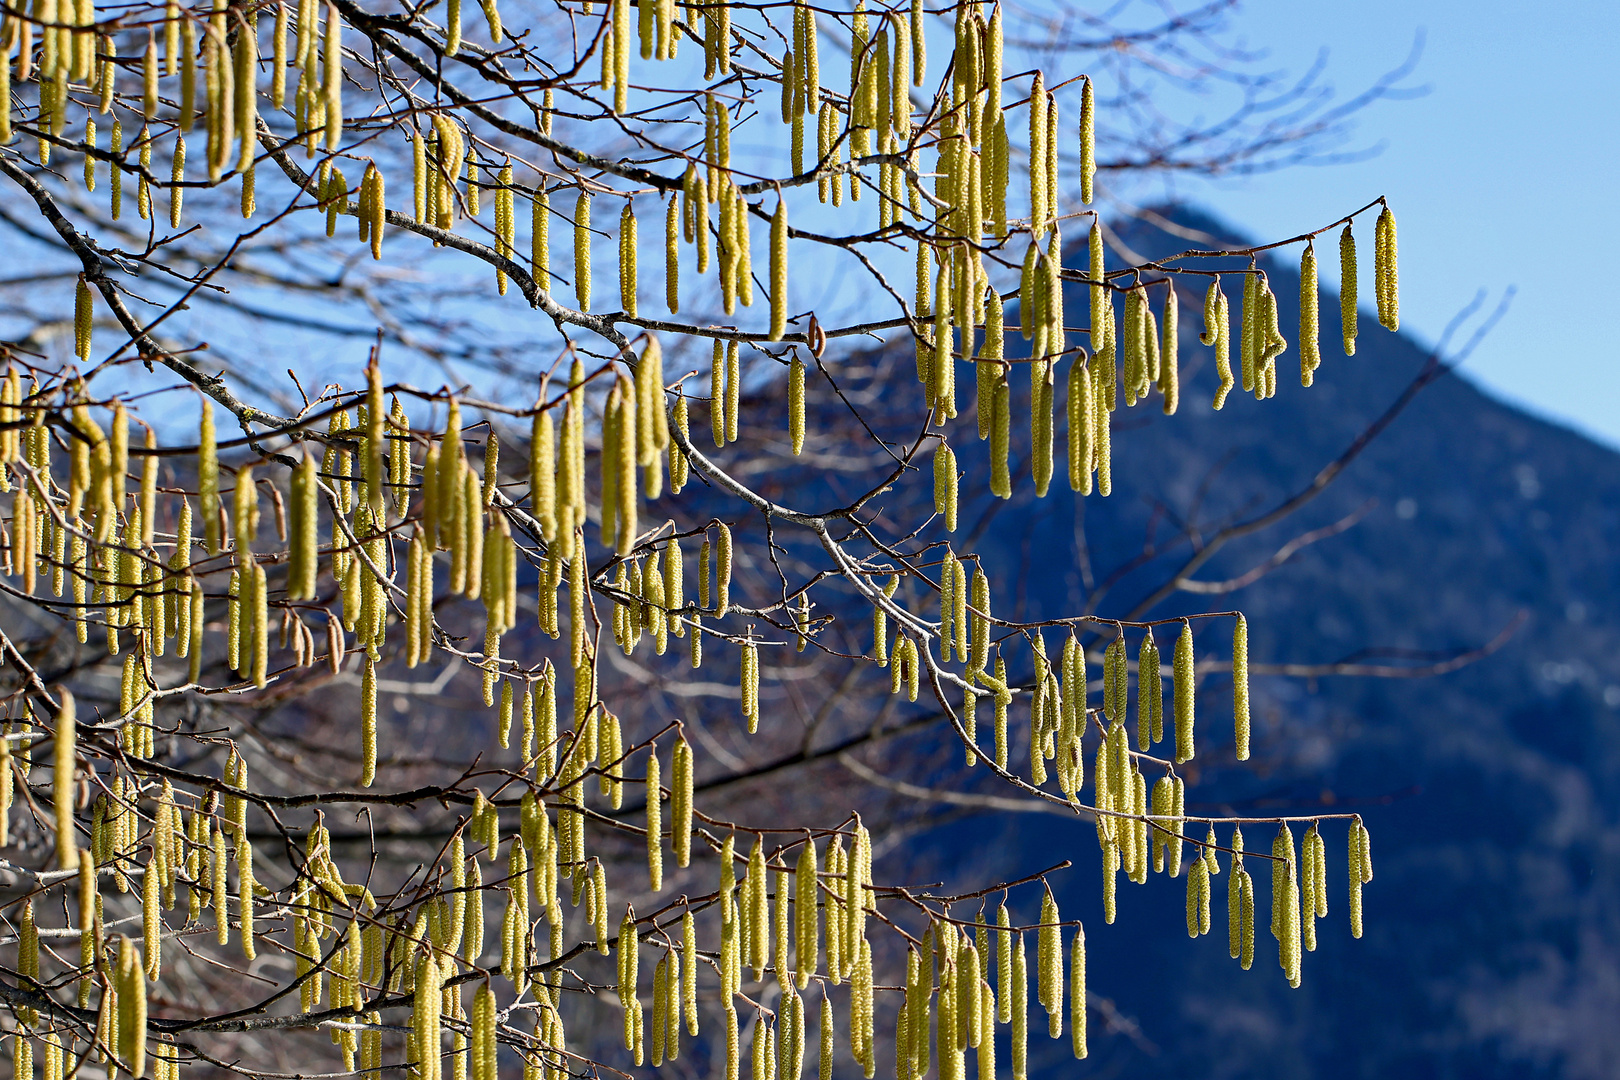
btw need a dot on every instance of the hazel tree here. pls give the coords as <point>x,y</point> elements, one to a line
<point>225,545</point>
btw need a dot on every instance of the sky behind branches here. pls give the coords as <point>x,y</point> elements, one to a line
<point>1502,174</point>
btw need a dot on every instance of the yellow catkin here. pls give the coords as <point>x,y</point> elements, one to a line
<point>655,829</point>
<point>1308,887</point>
<point>332,77</point>
<point>750,685</point>
<point>1082,432</point>
<point>807,922</point>
<point>484,1048</point>
<point>1038,135</point>
<point>1240,686</point>
<point>1169,373</point>
<point>1049,964</point>
<point>1360,867</point>
<point>680,812</point>
<point>1285,904</point>
<point>945,484</point>
<point>83,319</point>
<point>63,787</point>
<point>1000,439</point>
<point>368,723</point>
<point>779,271</point>
<point>627,260</point>
<point>149,78</point>
<point>1310,333</point>
<point>1197,898</point>
<point>131,990</point>
<point>582,251</point>
<point>672,261</point>
<point>1185,692</point>
<point>796,407</point>
<point>1077,986</point>
<point>1319,874</point>
<point>1020,1011</point>
<point>1386,272</point>
<point>1347,288</point>
<point>452,27</point>
<point>1088,147</point>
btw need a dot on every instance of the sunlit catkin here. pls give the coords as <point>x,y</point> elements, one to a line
<point>1240,686</point>
<point>64,789</point>
<point>1185,692</point>
<point>722,575</point>
<point>368,723</point>
<point>1310,331</point>
<point>1049,964</point>
<point>1020,1011</point>
<point>627,259</point>
<point>1360,868</point>
<point>750,685</point>
<point>945,484</point>
<point>779,271</point>
<point>1386,276</point>
<point>1197,898</point>
<point>680,807</point>
<point>655,828</point>
<point>807,920</point>
<point>1038,135</point>
<point>582,251</point>
<point>1347,288</point>
<point>1088,150</point>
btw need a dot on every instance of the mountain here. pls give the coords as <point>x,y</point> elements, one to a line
<point>1491,792</point>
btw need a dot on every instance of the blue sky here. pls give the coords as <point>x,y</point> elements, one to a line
<point>1504,173</point>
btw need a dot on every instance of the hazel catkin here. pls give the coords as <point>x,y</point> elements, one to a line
<point>1310,345</point>
<point>1088,148</point>
<point>1185,690</point>
<point>1386,275</point>
<point>1240,686</point>
<point>779,271</point>
<point>1347,288</point>
<point>796,404</point>
<point>582,251</point>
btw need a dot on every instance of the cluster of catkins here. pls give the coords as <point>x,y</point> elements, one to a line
<point>381,484</point>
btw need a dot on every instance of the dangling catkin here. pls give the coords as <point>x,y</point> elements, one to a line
<point>750,685</point>
<point>1020,1011</point>
<point>680,813</point>
<point>627,259</point>
<point>83,319</point>
<point>1088,159</point>
<point>807,920</point>
<point>368,723</point>
<point>655,828</point>
<point>1385,271</point>
<point>1185,691</point>
<point>582,251</point>
<point>796,410</point>
<point>1347,288</point>
<point>1169,374</point>
<point>722,577</point>
<point>1038,195</point>
<point>64,789</point>
<point>1310,345</point>
<point>779,271</point>
<point>945,484</point>
<point>1360,867</point>
<point>1240,686</point>
<point>1049,964</point>
<point>1197,898</point>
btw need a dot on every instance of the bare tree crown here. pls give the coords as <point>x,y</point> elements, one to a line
<point>187,159</point>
